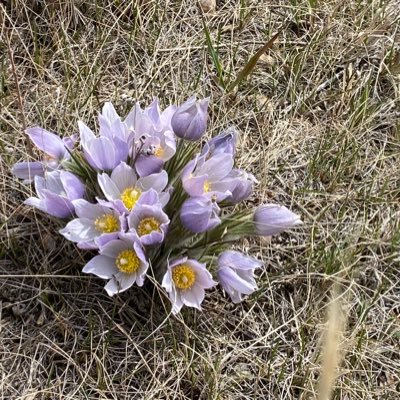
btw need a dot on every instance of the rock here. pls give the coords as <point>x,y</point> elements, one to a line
<point>208,5</point>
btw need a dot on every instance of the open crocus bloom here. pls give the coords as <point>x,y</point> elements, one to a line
<point>209,178</point>
<point>122,261</point>
<point>55,193</point>
<point>55,148</point>
<point>185,281</point>
<point>156,150</point>
<point>123,189</point>
<point>236,274</point>
<point>95,226</point>
<point>150,120</point>
<point>148,221</point>
<point>154,139</point>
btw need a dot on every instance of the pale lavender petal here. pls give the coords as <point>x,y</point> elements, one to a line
<point>124,177</point>
<point>217,167</point>
<point>194,185</point>
<point>86,134</point>
<point>193,297</point>
<point>113,248</point>
<point>228,277</point>
<point>108,187</point>
<point>101,266</point>
<point>74,188</point>
<point>225,142</point>
<point>105,238</point>
<point>190,119</point>
<point>236,259</point>
<point>47,141</point>
<point>69,143</point>
<point>79,230</point>
<point>84,209</point>
<point>146,165</point>
<point>271,219</point>
<point>125,281</point>
<point>199,215</point>
<point>112,287</point>
<point>154,181</point>
<point>103,153</point>
<point>28,170</point>
<point>56,205</point>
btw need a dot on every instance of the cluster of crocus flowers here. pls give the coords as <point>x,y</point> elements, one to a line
<point>144,196</point>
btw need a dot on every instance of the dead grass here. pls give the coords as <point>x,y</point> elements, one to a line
<point>319,123</point>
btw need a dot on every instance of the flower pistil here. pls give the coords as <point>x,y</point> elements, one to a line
<point>127,261</point>
<point>183,276</point>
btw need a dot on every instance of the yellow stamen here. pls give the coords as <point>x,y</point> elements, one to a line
<point>148,225</point>
<point>183,276</point>
<point>107,223</point>
<point>127,261</point>
<point>130,196</point>
<point>159,152</point>
<point>207,186</point>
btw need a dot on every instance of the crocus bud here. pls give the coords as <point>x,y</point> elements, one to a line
<point>236,274</point>
<point>271,219</point>
<point>190,119</point>
<point>225,142</point>
<point>199,214</point>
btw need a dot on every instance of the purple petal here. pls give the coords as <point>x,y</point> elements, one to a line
<point>47,141</point>
<point>74,188</point>
<point>101,266</point>
<point>271,219</point>
<point>28,170</point>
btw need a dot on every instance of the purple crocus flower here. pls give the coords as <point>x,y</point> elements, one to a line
<point>225,142</point>
<point>185,281</point>
<point>200,214</point>
<point>111,125</point>
<point>236,274</point>
<point>190,119</point>
<point>150,120</point>
<point>243,187</point>
<point>122,261</point>
<point>155,151</point>
<point>148,221</point>
<point>95,226</point>
<point>123,189</point>
<point>154,139</point>
<point>55,193</point>
<point>55,148</point>
<point>271,219</point>
<point>209,178</point>
<point>105,152</point>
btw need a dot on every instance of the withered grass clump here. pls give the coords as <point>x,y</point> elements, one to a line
<point>319,118</point>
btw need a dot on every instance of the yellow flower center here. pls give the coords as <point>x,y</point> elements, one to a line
<point>148,225</point>
<point>159,152</point>
<point>183,276</point>
<point>130,196</point>
<point>127,261</point>
<point>106,223</point>
<point>207,186</point>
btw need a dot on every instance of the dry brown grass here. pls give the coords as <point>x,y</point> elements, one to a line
<point>319,123</point>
